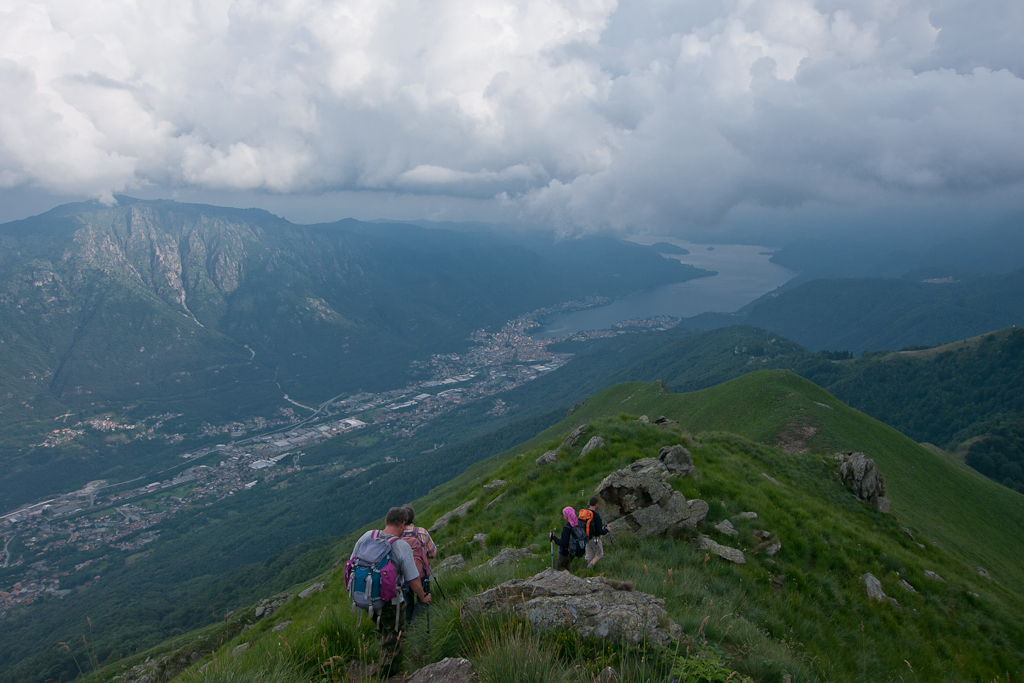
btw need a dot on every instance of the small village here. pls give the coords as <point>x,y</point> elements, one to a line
<point>124,516</point>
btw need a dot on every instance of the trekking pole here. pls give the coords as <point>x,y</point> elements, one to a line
<point>552,553</point>
<point>428,618</point>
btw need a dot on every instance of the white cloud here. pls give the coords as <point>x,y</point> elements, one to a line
<point>585,113</point>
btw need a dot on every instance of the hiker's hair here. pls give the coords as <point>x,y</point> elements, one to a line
<point>594,500</point>
<point>395,517</point>
<point>410,514</point>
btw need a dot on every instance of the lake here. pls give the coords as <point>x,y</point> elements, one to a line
<point>744,274</point>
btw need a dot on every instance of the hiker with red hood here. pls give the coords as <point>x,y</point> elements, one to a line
<point>573,541</point>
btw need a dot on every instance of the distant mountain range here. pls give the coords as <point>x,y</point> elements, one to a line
<point>218,313</point>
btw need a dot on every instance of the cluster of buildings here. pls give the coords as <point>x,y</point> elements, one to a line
<point>495,363</point>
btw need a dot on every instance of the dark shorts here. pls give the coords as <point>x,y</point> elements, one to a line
<point>563,561</point>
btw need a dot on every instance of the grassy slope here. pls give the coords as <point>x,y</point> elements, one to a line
<point>819,627</point>
<point>930,494</point>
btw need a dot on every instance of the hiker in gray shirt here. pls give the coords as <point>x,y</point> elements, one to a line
<point>392,618</point>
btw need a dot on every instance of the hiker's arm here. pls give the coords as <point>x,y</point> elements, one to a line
<point>431,548</point>
<point>417,587</point>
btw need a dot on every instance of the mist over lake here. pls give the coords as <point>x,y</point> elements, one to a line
<point>744,274</point>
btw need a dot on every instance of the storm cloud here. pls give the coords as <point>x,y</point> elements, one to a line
<point>586,114</point>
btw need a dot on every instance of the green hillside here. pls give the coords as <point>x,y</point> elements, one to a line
<point>803,612</point>
<point>868,314</point>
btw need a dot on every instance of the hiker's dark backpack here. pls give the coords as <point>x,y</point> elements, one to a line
<point>587,515</point>
<point>419,550</point>
<point>370,575</point>
<point>577,541</point>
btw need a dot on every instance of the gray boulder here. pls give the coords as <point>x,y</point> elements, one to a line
<point>448,670</point>
<point>480,538</point>
<point>594,607</point>
<point>933,576</point>
<point>677,514</point>
<point>636,486</point>
<point>495,501</point>
<point>861,476</point>
<point>728,554</point>
<point>641,501</point>
<point>726,527</point>
<point>453,563</point>
<point>549,457</point>
<point>874,589</point>
<point>981,572</point>
<point>903,582</point>
<point>510,556</point>
<point>282,626</point>
<point>312,590</point>
<point>447,517</point>
<point>239,649</point>
<point>594,443</point>
<point>575,436</point>
<point>745,515</point>
<point>496,484</point>
<point>677,459</point>
<point>665,422</point>
<point>771,479</point>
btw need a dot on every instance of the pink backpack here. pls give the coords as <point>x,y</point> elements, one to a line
<point>419,551</point>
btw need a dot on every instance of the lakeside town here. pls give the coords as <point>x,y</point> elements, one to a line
<point>46,538</point>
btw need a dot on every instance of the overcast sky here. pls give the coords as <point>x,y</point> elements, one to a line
<point>582,114</point>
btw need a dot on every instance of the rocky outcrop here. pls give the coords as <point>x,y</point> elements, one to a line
<point>903,582</point>
<point>549,457</point>
<point>861,476</point>
<point>678,460</point>
<point>480,538</point>
<point>766,476</point>
<point>981,572</point>
<point>282,626</point>
<point>448,670</point>
<point>874,589</point>
<point>312,590</point>
<point>933,576</point>
<point>447,517</point>
<point>746,515</point>
<point>728,554</point>
<point>267,606</point>
<point>592,608</point>
<point>643,502</point>
<point>453,563</point>
<point>665,422</point>
<point>510,556</point>
<point>594,443</point>
<point>636,486</point>
<point>574,436</point>
<point>240,649</point>
<point>496,484</point>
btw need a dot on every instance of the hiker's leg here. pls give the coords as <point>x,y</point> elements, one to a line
<point>563,563</point>
<point>390,638</point>
<point>595,551</point>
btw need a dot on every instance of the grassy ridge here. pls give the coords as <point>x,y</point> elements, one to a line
<point>966,513</point>
<point>803,612</point>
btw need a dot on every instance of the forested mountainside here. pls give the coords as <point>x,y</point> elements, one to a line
<point>872,314</point>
